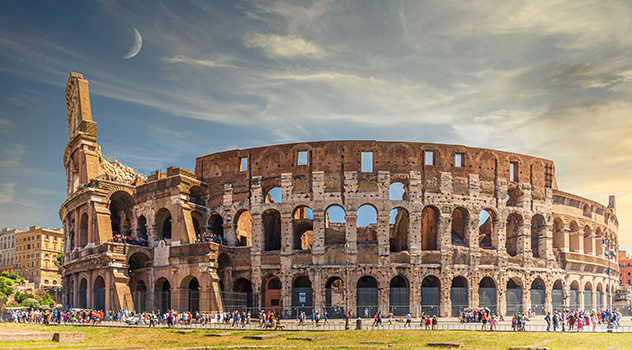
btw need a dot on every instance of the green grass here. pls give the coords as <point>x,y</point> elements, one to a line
<point>120,338</point>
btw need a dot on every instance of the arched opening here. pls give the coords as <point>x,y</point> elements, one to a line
<point>574,302</point>
<point>514,196</point>
<point>514,233</point>
<point>162,295</point>
<point>514,296</point>
<point>487,231</point>
<point>163,224</point>
<point>243,228</point>
<point>429,228</point>
<point>574,236</point>
<point>399,301</point>
<point>398,229</point>
<point>214,230</point>
<point>99,293</point>
<point>138,261</point>
<point>139,296</point>
<point>197,196</point>
<point>121,204</point>
<point>198,226</point>
<point>273,195</point>
<point>557,296</point>
<point>335,225</point>
<point>335,302</point>
<point>431,295</point>
<point>272,229</point>
<point>241,296</point>
<point>141,228</point>
<point>598,242</point>
<point>193,295</point>
<point>588,241</point>
<point>83,230</point>
<point>71,233</point>
<point>366,296</point>
<point>487,294</point>
<point>459,227</point>
<point>397,191</point>
<point>558,234</point>
<point>587,211</point>
<point>599,296</point>
<point>588,296</point>
<point>538,236</point>
<point>82,294</point>
<point>537,297</point>
<point>366,224</point>
<point>302,296</point>
<point>272,294</point>
<point>459,295</point>
<point>303,228</point>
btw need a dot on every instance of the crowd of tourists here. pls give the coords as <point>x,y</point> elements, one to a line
<point>578,320</point>
<point>118,238</point>
<point>210,237</point>
<point>90,317</point>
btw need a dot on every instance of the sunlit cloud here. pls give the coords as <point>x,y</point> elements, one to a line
<point>284,46</point>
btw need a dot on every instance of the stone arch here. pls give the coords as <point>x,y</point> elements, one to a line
<point>398,229</point>
<point>558,234</point>
<point>398,191</point>
<point>399,296</point>
<point>537,291</point>
<point>197,196</point>
<point>557,295</point>
<point>460,222</point>
<point>164,224</point>
<point>459,296</point>
<point>98,289</point>
<point>120,205</point>
<point>199,227</point>
<point>335,225</point>
<point>514,195</point>
<point>574,236</point>
<point>588,295</point>
<point>587,210</point>
<point>141,228</point>
<point>272,192</point>
<point>162,294</point>
<point>302,295</point>
<point>366,223</point>
<point>366,295</point>
<point>574,295</point>
<point>82,294</point>
<point>272,294</point>
<point>488,229</point>
<point>243,228</point>
<point>514,232</point>
<point>303,228</point>
<point>429,227</point>
<point>538,236</point>
<point>514,296</point>
<point>487,293</point>
<point>191,285</point>
<point>271,219</point>
<point>599,300</point>
<point>84,230</point>
<point>588,240</point>
<point>215,229</point>
<point>431,295</point>
<point>598,242</point>
<point>335,297</point>
<point>138,260</point>
<point>242,289</point>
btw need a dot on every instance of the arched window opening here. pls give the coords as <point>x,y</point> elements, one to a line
<point>141,228</point>
<point>272,229</point>
<point>335,225</point>
<point>459,295</point>
<point>514,296</point>
<point>429,228</point>
<point>273,195</point>
<point>302,296</point>
<point>574,237</point>
<point>459,227</point>
<point>193,295</point>
<point>240,297</point>
<point>514,232</point>
<point>335,297</point>
<point>599,296</point>
<point>197,228</point>
<point>431,295</point>
<point>514,197</point>
<point>121,204</point>
<point>587,211</point>
<point>243,229</point>
<point>588,240</point>
<point>163,224</point>
<point>398,229</point>
<point>99,293</point>
<point>214,230</point>
<point>558,234</point>
<point>598,242</point>
<point>557,296</point>
<point>71,233</point>
<point>537,297</point>
<point>487,234</point>
<point>397,192</point>
<point>139,296</point>
<point>366,224</point>
<point>197,196</point>
<point>303,228</point>
<point>272,294</point>
<point>366,296</point>
<point>83,294</point>
<point>399,302</point>
<point>538,236</point>
<point>83,230</point>
<point>588,296</point>
<point>487,294</point>
<point>162,295</point>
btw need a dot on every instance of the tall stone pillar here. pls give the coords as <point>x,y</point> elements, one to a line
<point>230,234</point>
<point>318,245</point>
<point>383,235</point>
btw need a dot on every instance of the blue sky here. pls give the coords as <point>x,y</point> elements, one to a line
<point>550,79</point>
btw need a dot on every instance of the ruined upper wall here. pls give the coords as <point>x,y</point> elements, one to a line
<point>336,157</point>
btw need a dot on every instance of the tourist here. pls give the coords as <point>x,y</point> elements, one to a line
<point>547,318</point>
<point>493,323</point>
<point>407,319</point>
<point>435,322</point>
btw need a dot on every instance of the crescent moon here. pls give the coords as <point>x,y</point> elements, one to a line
<point>138,43</point>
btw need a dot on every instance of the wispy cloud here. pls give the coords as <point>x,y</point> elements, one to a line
<point>284,46</point>
<point>7,192</point>
<point>198,62</point>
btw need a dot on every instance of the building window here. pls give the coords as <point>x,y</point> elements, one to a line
<point>429,157</point>
<point>302,158</point>
<point>513,171</point>
<point>458,160</point>
<point>367,162</point>
<point>243,164</point>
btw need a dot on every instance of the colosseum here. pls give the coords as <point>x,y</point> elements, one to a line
<point>332,225</point>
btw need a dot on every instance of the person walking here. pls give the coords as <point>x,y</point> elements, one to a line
<point>407,319</point>
<point>547,318</point>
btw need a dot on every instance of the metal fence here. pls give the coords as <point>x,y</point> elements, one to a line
<point>302,301</point>
<point>487,298</point>
<point>430,300</point>
<point>537,301</point>
<point>459,298</point>
<point>557,298</point>
<point>514,301</point>
<point>399,301</point>
<point>366,298</point>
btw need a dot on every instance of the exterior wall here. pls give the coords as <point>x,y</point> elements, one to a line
<point>35,255</point>
<point>625,269</point>
<point>7,249</point>
<point>536,237</point>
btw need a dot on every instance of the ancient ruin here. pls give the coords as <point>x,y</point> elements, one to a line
<point>335,225</point>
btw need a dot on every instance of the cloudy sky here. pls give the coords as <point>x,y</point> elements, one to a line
<point>550,79</point>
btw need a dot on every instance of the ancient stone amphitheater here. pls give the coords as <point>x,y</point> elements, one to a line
<point>335,225</point>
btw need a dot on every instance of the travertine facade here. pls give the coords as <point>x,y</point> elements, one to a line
<point>334,224</point>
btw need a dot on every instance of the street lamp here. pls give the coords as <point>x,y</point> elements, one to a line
<point>608,244</point>
<point>346,286</point>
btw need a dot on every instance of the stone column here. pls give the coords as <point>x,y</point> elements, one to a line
<point>318,246</point>
<point>352,233</point>
<point>501,288</point>
<point>108,284</point>
<point>230,234</point>
<point>287,234</point>
<point>383,235</point>
<point>526,298</point>
<point>548,298</point>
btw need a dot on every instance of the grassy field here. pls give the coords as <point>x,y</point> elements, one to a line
<point>144,338</point>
